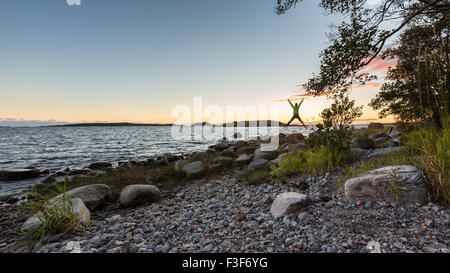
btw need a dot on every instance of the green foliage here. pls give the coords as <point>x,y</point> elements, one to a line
<point>434,147</point>
<point>351,171</point>
<point>56,216</point>
<point>254,177</point>
<point>117,179</point>
<point>396,186</point>
<point>333,137</point>
<point>418,88</point>
<point>316,161</point>
<point>362,35</point>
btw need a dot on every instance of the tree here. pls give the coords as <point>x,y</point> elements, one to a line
<point>360,38</point>
<point>418,87</point>
<point>334,133</point>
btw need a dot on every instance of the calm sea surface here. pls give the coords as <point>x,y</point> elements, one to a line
<point>56,148</point>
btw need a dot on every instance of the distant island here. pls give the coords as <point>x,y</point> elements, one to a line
<point>259,123</point>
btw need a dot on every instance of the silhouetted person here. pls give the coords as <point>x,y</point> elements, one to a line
<point>295,114</point>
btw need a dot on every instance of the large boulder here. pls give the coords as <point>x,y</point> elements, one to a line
<point>179,165</point>
<point>265,153</point>
<point>162,161</point>
<point>135,195</point>
<point>393,132</point>
<point>93,196</point>
<point>222,145</point>
<point>239,144</point>
<point>99,165</point>
<point>18,174</point>
<point>362,143</point>
<point>383,151</point>
<point>227,153</point>
<point>375,125</point>
<point>78,208</point>
<point>277,160</point>
<point>258,164</point>
<point>194,169</point>
<point>379,135</point>
<point>293,147</point>
<point>79,171</point>
<point>289,202</point>
<point>243,159</point>
<point>223,160</point>
<point>360,152</point>
<point>171,157</point>
<point>392,183</point>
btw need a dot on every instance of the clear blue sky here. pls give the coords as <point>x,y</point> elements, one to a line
<point>117,60</point>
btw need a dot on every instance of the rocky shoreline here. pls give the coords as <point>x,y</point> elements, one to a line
<point>221,213</point>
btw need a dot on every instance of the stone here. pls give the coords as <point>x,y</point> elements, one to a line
<point>171,157</point>
<point>99,165</point>
<point>243,159</point>
<point>18,174</point>
<point>383,151</point>
<point>79,171</point>
<point>265,153</point>
<point>73,247</point>
<point>216,167</point>
<point>362,143</point>
<point>239,144</point>
<point>237,135</point>
<point>277,160</point>
<point>360,152</point>
<point>223,160</point>
<point>379,135</point>
<point>78,209</point>
<point>194,169</point>
<point>125,164</point>
<point>162,161</point>
<point>376,185</point>
<point>93,196</point>
<point>179,165</point>
<point>393,132</point>
<point>258,164</point>
<point>375,125</point>
<point>293,147</point>
<point>289,202</point>
<point>135,195</point>
<point>303,217</point>
<point>221,145</point>
<point>227,153</point>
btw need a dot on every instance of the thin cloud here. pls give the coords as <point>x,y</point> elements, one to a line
<point>367,85</point>
<point>380,65</point>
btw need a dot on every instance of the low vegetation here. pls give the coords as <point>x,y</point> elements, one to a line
<point>254,177</point>
<point>117,179</point>
<point>55,217</point>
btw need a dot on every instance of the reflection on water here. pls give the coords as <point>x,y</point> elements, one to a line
<point>56,148</point>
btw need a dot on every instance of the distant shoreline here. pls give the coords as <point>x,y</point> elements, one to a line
<point>119,124</point>
<point>124,124</point>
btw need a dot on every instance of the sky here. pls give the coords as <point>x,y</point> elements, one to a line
<point>134,61</point>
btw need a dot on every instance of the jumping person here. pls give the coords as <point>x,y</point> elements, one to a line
<point>295,114</point>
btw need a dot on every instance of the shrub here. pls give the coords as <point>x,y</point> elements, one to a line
<point>254,177</point>
<point>56,217</point>
<point>315,162</point>
<point>351,171</point>
<point>435,156</point>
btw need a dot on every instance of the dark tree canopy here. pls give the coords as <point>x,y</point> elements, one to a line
<point>361,37</point>
<point>418,87</point>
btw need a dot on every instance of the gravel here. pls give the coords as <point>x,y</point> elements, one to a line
<point>226,215</point>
